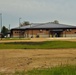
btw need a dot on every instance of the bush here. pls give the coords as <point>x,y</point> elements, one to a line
<point>37,36</point>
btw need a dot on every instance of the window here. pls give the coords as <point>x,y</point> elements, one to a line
<point>69,30</point>
<point>40,30</point>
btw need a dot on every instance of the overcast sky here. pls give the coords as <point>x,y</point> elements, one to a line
<point>38,11</point>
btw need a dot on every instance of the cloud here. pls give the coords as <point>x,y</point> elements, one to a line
<point>38,10</point>
<point>36,6</point>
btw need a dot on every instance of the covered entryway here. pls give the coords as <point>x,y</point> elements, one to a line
<point>56,32</point>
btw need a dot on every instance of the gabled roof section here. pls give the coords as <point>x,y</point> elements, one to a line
<point>50,25</point>
<point>45,25</point>
<point>26,26</point>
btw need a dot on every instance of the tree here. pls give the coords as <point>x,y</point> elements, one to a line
<point>4,31</point>
<point>55,22</point>
<point>25,23</point>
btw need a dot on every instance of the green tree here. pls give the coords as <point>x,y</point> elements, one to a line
<point>55,22</point>
<point>4,31</point>
<point>25,23</point>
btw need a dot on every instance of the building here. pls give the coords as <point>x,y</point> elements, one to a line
<point>8,34</point>
<point>0,35</point>
<point>44,30</point>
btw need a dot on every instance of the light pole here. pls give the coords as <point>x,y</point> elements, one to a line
<point>9,32</point>
<point>19,27</point>
<point>3,55</point>
<point>19,21</point>
<point>1,23</point>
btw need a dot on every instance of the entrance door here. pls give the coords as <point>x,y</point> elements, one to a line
<point>56,33</point>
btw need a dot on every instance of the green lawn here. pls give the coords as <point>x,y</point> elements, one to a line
<point>62,70</point>
<point>38,45</point>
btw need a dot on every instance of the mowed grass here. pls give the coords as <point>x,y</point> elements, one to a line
<point>38,45</point>
<point>61,70</point>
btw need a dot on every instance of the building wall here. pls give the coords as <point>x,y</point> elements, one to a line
<point>69,33</point>
<point>15,33</point>
<point>36,33</point>
<point>18,33</point>
<point>43,33</point>
<point>0,35</point>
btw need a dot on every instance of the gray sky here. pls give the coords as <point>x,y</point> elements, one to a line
<point>38,11</point>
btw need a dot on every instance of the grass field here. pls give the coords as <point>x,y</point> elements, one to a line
<point>27,57</point>
<point>19,60</point>
<point>61,70</point>
<point>38,45</point>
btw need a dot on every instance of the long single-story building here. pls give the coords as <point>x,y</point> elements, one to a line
<point>44,30</point>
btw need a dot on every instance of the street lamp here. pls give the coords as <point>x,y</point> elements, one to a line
<point>19,26</point>
<point>1,23</point>
<point>19,22</point>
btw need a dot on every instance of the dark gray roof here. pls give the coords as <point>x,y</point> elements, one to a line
<point>49,25</point>
<point>45,25</point>
<point>25,27</point>
<point>22,27</point>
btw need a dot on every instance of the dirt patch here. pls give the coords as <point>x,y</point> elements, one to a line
<point>40,39</point>
<point>12,60</point>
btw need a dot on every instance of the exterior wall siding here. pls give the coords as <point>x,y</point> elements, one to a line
<point>69,33</point>
<point>42,33</point>
<point>35,33</point>
<point>18,33</point>
<point>15,33</point>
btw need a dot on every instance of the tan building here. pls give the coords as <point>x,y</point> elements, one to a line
<point>44,30</point>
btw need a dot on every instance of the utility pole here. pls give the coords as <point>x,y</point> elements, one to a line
<point>9,32</point>
<point>19,27</point>
<point>1,24</point>
<point>3,54</point>
<point>9,26</point>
